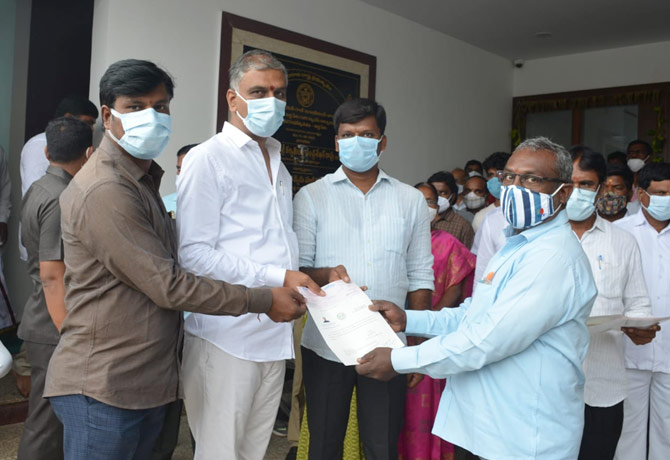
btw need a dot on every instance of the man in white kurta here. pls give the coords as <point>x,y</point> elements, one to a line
<point>234,220</point>
<point>648,366</point>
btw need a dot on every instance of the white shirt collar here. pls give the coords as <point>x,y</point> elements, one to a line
<point>240,138</point>
<point>339,175</point>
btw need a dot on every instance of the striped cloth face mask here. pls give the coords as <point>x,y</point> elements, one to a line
<point>525,208</point>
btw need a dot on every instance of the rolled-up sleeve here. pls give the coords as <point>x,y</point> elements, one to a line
<point>304,226</point>
<point>121,236</point>
<point>419,256</point>
<point>636,301</point>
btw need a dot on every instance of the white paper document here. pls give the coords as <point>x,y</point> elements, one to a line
<point>616,322</point>
<point>346,323</point>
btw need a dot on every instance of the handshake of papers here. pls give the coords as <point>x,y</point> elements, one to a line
<point>346,323</point>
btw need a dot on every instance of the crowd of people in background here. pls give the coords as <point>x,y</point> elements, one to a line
<point>488,273</point>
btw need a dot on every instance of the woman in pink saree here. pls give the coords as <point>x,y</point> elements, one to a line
<point>454,267</point>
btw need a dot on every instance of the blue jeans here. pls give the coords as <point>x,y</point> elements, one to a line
<point>97,431</point>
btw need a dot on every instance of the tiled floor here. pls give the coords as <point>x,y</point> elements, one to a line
<point>10,434</point>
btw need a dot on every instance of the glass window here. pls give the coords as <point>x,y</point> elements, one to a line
<point>607,129</point>
<point>557,126</point>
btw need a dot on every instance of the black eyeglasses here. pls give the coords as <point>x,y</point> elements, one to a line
<point>508,178</point>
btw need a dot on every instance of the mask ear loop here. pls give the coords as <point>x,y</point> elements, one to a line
<point>558,208</point>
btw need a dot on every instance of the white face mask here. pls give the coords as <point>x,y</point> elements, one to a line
<point>432,212</point>
<point>473,201</point>
<point>635,164</point>
<point>443,204</point>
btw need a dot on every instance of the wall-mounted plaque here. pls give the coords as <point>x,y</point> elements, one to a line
<point>322,75</point>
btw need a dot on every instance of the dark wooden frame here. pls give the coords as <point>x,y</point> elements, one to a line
<point>230,21</point>
<point>645,96</point>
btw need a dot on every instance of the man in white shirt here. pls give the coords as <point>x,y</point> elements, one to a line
<point>648,366</point>
<point>493,163</point>
<point>33,161</point>
<point>489,239</point>
<point>617,270</point>
<point>490,222</point>
<point>235,224</point>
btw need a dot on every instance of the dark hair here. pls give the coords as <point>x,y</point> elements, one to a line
<point>447,178</point>
<point>646,145</point>
<point>623,171</point>
<point>588,160</point>
<point>476,163</point>
<point>617,157</point>
<point>576,151</point>
<point>184,150</point>
<point>496,160</point>
<point>132,77</point>
<point>428,185</point>
<point>76,105</point>
<point>355,110</point>
<point>67,139</point>
<point>653,172</point>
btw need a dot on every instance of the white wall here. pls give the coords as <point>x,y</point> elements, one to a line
<point>632,65</point>
<point>446,101</point>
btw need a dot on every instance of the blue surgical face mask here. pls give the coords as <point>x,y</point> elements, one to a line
<point>524,208</point>
<point>146,132</point>
<point>659,207</point>
<point>358,153</point>
<point>493,185</point>
<point>581,204</point>
<point>264,116</point>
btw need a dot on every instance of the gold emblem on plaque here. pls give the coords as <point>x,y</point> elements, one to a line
<point>305,95</point>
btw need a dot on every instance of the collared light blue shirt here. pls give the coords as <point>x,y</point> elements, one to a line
<point>170,202</point>
<point>382,238</point>
<point>513,352</point>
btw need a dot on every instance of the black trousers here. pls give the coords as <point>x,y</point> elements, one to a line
<point>328,389</point>
<point>167,440</point>
<point>602,428</point>
<point>42,436</point>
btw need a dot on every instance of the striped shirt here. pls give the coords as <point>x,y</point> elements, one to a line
<point>382,238</point>
<point>617,270</point>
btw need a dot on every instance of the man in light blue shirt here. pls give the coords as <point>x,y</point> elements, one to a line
<point>513,352</point>
<point>379,229</point>
<point>170,201</point>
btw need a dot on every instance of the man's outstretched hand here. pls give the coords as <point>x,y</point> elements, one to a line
<point>377,365</point>
<point>287,305</point>
<point>294,278</point>
<point>393,314</point>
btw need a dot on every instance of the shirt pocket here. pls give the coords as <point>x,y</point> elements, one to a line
<point>392,235</point>
<point>609,279</point>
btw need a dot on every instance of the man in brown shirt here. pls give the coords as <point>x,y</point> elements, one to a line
<point>449,221</point>
<point>116,366</point>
